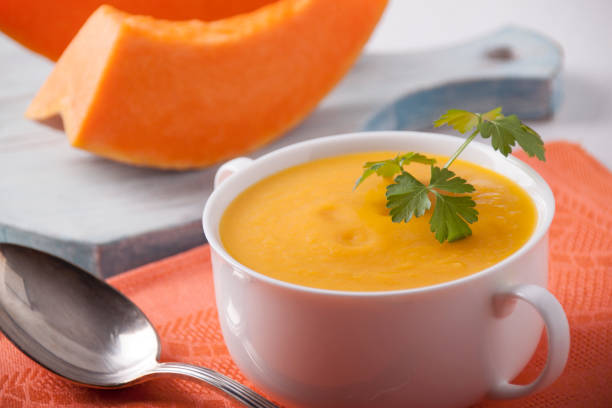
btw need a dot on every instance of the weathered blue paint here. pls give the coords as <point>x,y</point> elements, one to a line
<point>527,98</point>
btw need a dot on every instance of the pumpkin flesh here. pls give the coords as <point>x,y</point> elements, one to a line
<point>47,27</point>
<point>187,94</point>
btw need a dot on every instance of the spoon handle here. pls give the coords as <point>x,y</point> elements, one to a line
<point>233,388</point>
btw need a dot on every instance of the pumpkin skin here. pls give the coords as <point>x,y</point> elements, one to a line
<point>47,26</point>
<point>187,94</point>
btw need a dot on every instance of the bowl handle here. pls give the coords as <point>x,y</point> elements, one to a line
<point>230,167</point>
<point>557,329</point>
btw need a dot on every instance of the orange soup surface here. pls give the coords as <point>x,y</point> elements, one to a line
<point>306,225</point>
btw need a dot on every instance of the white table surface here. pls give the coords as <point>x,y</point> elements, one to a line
<point>583,28</point>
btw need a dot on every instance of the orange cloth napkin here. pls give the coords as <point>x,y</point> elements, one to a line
<point>177,295</point>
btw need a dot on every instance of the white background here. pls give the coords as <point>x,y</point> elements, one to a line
<point>583,28</point>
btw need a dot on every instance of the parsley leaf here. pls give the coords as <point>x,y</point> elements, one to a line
<point>450,217</point>
<point>507,130</point>
<point>408,197</point>
<point>458,119</point>
<point>451,213</point>
<point>416,158</point>
<point>388,168</point>
<point>493,114</point>
<point>444,179</point>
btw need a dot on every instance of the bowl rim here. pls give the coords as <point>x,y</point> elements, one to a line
<point>540,231</point>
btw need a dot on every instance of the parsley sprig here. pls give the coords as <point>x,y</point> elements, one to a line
<point>453,210</point>
<point>388,168</point>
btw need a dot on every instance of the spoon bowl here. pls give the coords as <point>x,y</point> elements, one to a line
<point>84,330</point>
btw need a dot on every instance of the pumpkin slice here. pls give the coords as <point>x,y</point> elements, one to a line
<point>187,94</point>
<point>47,26</point>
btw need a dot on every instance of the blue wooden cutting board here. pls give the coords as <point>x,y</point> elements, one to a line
<point>108,217</point>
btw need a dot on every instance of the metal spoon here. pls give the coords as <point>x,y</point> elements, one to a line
<point>82,329</point>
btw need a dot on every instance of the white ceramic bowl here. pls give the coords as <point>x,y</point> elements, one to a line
<point>448,345</point>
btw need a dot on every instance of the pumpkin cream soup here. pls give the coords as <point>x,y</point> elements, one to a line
<point>306,225</point>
